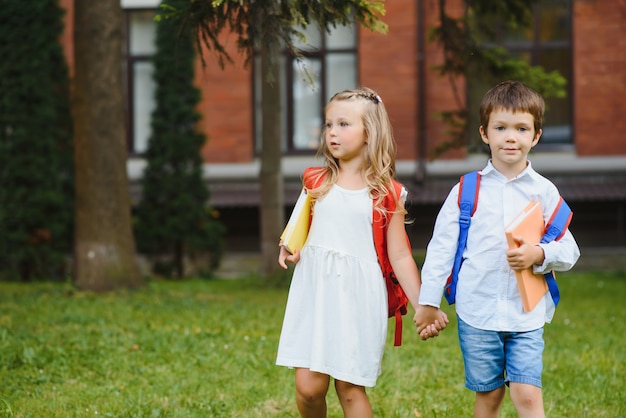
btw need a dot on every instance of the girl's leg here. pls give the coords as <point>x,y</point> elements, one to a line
<point>311,389</point>
<point>528,400</point>
<point>488,403</point>
<point>353,399</point>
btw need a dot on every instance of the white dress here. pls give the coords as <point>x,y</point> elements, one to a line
<point>336,315</point>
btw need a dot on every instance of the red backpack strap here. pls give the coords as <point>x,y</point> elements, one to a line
<point>312,180</point>
<point>310,177</point>
<point>396,298</point>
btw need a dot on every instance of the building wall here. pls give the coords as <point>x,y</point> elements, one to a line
<point>67,40</point>
<point>599,39</point>
<point>389,63</point>
<point>226,107</point>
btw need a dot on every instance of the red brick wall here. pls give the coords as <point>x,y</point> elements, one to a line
<point>387,64</point>
<point>599,39</point>
<point>67,40</point>
<point>226,108</point>
<point>443,94</point>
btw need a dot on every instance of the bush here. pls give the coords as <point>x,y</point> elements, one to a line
<point>36,161</point>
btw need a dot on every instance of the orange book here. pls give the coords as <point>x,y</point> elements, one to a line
<point>528,224</point>
<point>297,229</point>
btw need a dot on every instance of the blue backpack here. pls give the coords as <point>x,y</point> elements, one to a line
<point>469,187</point>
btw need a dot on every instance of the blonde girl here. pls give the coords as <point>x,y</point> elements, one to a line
<point>335,321</point>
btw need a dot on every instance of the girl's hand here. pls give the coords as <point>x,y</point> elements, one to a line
<point>430,331</point>
<point>429,321</point>
<point>284,256</point>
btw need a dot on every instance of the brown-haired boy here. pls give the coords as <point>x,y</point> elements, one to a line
<point>501,344</point>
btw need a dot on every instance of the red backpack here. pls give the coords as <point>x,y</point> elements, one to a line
<point>396,298</point>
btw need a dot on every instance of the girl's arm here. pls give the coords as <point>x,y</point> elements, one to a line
<point>284,256</point>
<point>406,271</point>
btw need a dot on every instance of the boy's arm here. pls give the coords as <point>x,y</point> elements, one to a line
<point>559,255</point>
<point>441,251</point>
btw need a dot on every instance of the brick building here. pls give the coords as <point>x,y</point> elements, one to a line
<point>582,150</point>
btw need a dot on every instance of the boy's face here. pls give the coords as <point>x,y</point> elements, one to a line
<point>510,137</point>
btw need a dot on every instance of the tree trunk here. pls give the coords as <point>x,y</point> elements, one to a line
<point>272,208</point>
<point>104,249</point>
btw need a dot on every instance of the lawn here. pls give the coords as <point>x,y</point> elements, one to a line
<point>206,348</point>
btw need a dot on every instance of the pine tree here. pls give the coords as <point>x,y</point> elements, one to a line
<point>36,169</point>
<point>173,219</point>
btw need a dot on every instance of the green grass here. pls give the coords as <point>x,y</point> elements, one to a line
<point>207,349</point>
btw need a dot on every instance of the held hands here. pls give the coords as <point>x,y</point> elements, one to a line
<point>429,321</point>
<point>525,255</point>
<point>285,255</point>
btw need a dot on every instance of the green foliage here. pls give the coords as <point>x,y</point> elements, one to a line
<point>36,161</point>
<point>173,219</point>
<point>201,348</point>
<point>271,24</point>
<point>471,50</point>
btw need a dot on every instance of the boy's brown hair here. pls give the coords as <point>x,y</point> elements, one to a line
<point>513,96</point>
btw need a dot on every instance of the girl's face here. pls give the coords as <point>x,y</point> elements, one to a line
<point>344,132</point>
<point>510,137</point>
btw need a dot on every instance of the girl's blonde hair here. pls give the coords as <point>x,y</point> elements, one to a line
<point>380,162</point>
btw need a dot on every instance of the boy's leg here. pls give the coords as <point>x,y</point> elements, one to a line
<point>488,403</point>
<point>524,367</point>
<point>353,399</point>
<point>311,389</point>
<point>484,361</point>
<point>528,400</point>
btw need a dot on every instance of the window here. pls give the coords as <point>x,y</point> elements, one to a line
<point>140,87</point>
<point>328,64</point>
<point>548,44</point>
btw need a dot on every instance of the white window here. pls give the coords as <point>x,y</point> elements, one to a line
<point>140,87</point>
<point>328,64</point>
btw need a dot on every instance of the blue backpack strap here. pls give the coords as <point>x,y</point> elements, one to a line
<point>469,187</point>
<point>557,225</point>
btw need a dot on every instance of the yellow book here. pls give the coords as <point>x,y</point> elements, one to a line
<point>529,225</point>
<point>297,229</point>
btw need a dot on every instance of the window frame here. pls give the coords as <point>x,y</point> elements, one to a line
<point>288,59</point>
<point>130,62</point>
<point>534,47</point>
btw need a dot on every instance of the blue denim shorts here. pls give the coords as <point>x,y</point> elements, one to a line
<point>494,358</point>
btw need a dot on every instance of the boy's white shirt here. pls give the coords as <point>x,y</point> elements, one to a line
<point>487,296</point>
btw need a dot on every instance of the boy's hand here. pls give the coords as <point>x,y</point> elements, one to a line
<point>285,255</point>
<point>429,321</point>
<point>525,255</point>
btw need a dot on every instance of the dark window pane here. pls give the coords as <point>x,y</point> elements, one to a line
<point>547,44</point>
<point>554,21</point>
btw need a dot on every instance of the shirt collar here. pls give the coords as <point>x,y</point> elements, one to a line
<point>490,169</point>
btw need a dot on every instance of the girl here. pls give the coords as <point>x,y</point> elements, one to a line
<point>336,316</point>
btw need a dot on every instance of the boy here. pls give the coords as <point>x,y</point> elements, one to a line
<point>501,344</point>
